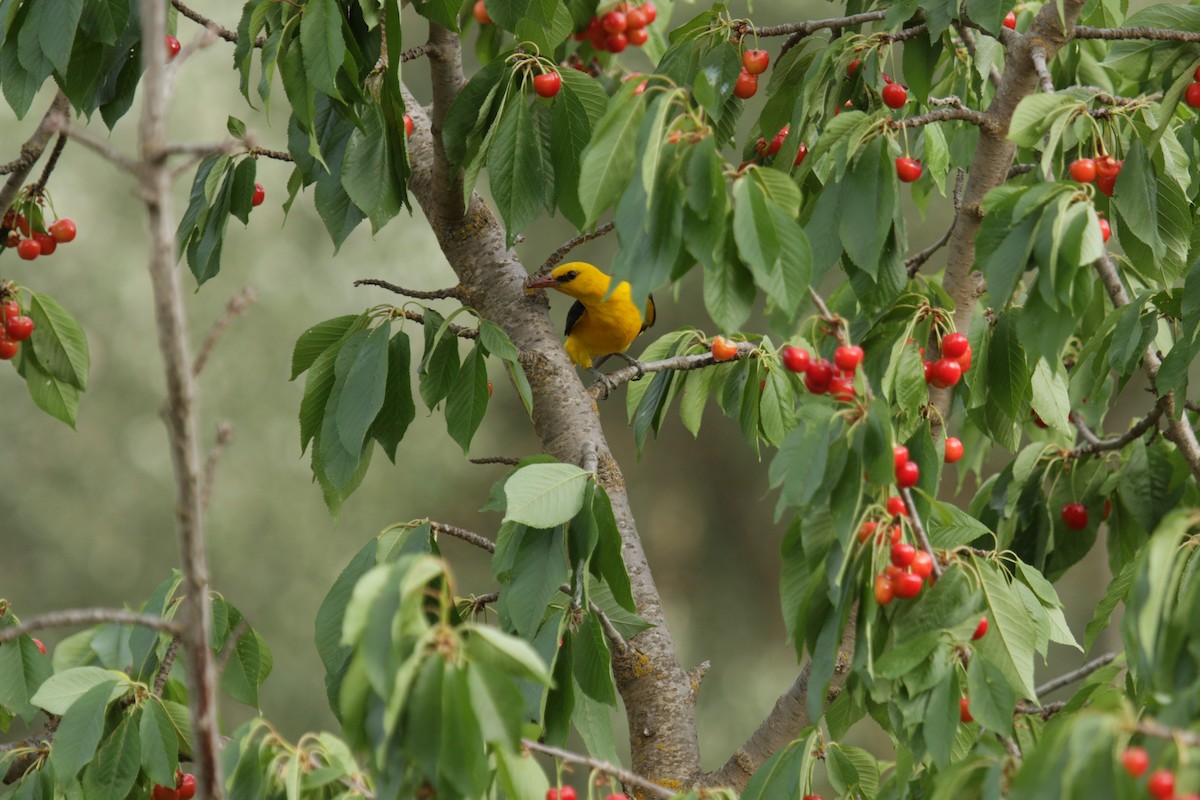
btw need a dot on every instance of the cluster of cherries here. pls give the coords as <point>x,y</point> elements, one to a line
<point>623,26</point>
<point>955,360</point>
<point>823,377</point>
<point>15,328</point>
<point>754,63</point>
<point>29,243</point>
<point>908,169</point>
<point>1161,784</point>
<point>764,149</point>
<point>1103,171</point>
<point>910,566</point>
<point>185,788</point>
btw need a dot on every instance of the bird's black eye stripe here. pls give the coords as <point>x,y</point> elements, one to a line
<point>567,277</point>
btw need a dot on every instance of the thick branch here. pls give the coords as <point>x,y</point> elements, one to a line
<point>1157,34</point>
<point>31,151</point>
<point>1039,64</point>
<point>620,773</point>
<point>944,115</point>
<point>482,542</point>
<point>86,616</point>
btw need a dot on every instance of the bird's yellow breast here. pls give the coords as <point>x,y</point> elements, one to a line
<point>605,326</point>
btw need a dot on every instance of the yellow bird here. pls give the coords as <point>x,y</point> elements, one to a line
<point>599,324</point>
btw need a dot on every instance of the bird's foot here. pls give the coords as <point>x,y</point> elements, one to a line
<point>633,362</point>
<point>603,385</point>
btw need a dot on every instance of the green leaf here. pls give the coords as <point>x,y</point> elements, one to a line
<point>369,169</point>
<point>247,668</point>
<point>1009,644</point>
<point>59,342</point>
<point>606,167</point>
<point>495,649</point>
<point>112,773</point>
<point>1136,199</point>
<point>592,662</point>
<point>23,669</point>
<point>573,117</point>
<point>360,379</point>
<point>319,338</point>
<point>160,743</point>
<point>57,398</point>
<point>992,699</point>
<point>773,245</point>
<point>439,365</point>
<point>519,166</point>
<point>398,410</point>
<point>57,34</point>
<point>62,689</point>
<point>468,399</point>
<point>322,44</point>
<point>865,235</point>
<point>80,730</point>
<point>545,495</point>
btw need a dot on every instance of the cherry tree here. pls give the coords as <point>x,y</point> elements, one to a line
<point>1059,137</point>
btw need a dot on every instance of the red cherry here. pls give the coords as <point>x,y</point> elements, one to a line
<point>848,357</point>
<point>866,529</point>
<point>954,449</point>
<point>1196,74</point>
<point>480,12</point>
<point>980,629</point>
<point>164,793</point>
<point>946,372</point>
<point>1037,420</point>
<point>1010,21</point>
<point>777,142</point>
<point>29,249</point>
<point>19,328</point>
<point>954,345</point>
<point>817,376</point>
<point>899,459</point>
<point>903,554</point>
<point>649,11</point>
<point>63,230</point>
<point>723,349</point>
<point>1105,228</point>
<point>9,309</point>
<point>963,712</point>
<point>47,242</point>
<point>908,585</point>
<point>1161,785</point>
<point>616,42</point>
<point>1075,516</point>
<point>1107,509</point>
<point>895,533</point>
<point>908,169</point>
<point>187,786</point>
<point>635,19</point>
<point>746,86</point>
<point>885,590</point>
<point>1107,165</point>
<point>1136,761</point>
<point>1191,95</point>
<point>922,564</point>
<point>40,646</point>
<point>801,152</point>
<point>895,504</point>
<point>893,572</point>
<point>928,365</point>
<point>964,360</point>
<point>894,95</point>
<point>756,61</point>
<point>614,22</point>
<point>1106,184</point>
<point>547,84</point>
<point>796,359</point>
<point>259,195</point>
<point>173,46</point>
<point>1083,170</point>
<point>842,388</point>
<point>8,351</point>
<point>852,68</point>
<point>637,37</point>
<point>408,126</point>
<point>907,475</point>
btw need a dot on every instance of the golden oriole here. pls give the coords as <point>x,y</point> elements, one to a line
<point>599,324</point>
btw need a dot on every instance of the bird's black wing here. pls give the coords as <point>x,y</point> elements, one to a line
<point>573,316</point>
<point>647,319</point>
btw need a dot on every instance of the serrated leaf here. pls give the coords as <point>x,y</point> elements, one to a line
<point>59,341</point>
<point>80,730</point>
<point>160,743</point>
<point>322,45</point>
<point>545,495</point>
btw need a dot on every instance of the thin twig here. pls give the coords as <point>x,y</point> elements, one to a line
<point>512,462</point>
<point>1038,56</point>
<point>1045,711</point>
<point>31,151</point>
<point>914,262</point>
<point>811,26</point>
<point>968,38</point>
<point>678,363</point>
<point>1020,169</point>
<point>1163,732</point>
<point>1011,746</point>
<point>97,145</point>
<point>419,318</point>
<point>87,616</point>
<point>39,188</point>
<point>224,434</point>
<point>1141,32</point>
<point>164,669</point>
<point>278,155</point>
<point>570,245</point>
<point>620,773</point>
<point>915,520</point>
<point>1096,445</point>
<point>1074,675</point>
<point>237,305</point>
<point>467,536</point>
<point>944,115</point>
<point>606,625</point>
<point>416,52</point>
<point>219,30</point>
<point>416,294</point>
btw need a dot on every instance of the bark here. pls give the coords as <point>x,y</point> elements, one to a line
<point>657,692</point>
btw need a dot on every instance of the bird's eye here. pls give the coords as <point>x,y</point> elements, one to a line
<point>570,276</point>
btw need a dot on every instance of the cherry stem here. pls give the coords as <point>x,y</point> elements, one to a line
<point>620,773</point>
<point>915,520</point>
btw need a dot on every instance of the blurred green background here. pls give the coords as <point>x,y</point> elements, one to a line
<point>86,516</point>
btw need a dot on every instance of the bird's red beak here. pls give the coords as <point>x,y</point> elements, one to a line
<point>544,283</point>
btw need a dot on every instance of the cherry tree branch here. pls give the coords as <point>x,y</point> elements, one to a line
<point>224,434</point>
<point>164,668</point>
<point>559,254</point>
<point>40,187</point>
<point>1163,732</point>
<point>237,305</point>
<point>1156,34</point>
<point>944,115</point>
<point>810,26</point>
<point>1038,56</point>
<point>915,520</point>
<point>87,616</point>
<point>216,28</point>
<point>677,363</point>
<point>1068,678</point>
<point>512,462</point>
<point>278,155</point>
<point>620,773</point>
<point>482,542</point>
<point>1095,444</point>
<point>416,294</point>
<point>31,151</point>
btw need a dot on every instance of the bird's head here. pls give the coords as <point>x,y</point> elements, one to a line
<point>577,279</point>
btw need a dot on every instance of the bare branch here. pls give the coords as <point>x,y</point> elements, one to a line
<point>219,30</point>
<point>1156,34</point>
<point>512,462</point>
<point>40,187</point>
<point>1097,445</point>
<point>31,151</point>
<point>620,773</point>
<point>968,38</point>
<point>278,155</point>
<point>419,318</point>
<point>237,305</point>
<point>914,262</point>
<point>915,520</point>
<point>224,434</point>
<point>86,616</point>
<point>678,363</point>
<point>944,115</point>
<point>467,536</point>
<point>561,252</point>
<point>589,457</point>
<point>1038,55</point>
<point>97,145</point>
<point>1163,732</point>
<point>811,26</point>
<point>416,294</point>
<point>413,53</point>
<point>1075,675</point>
<point>164,668</point>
